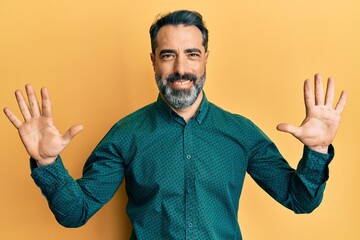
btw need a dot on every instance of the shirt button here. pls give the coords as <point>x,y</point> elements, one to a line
<point>189,191</point>
<point>188,156</point>
<point>190,225</point>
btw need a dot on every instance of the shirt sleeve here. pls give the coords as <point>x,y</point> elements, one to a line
<point>300,189</point>
<point>73,202</point>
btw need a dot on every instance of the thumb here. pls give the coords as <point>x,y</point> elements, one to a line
<point>72,132</point>
<point>285,127</point>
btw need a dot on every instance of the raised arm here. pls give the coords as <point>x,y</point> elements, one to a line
<point>41,138</point>
<point>72,201</point>
<point>322,121</point>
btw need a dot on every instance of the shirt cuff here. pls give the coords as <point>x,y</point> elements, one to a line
<point>317,160</point>
<point>49,178</point>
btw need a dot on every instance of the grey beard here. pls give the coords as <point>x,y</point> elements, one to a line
<point>180,98</point>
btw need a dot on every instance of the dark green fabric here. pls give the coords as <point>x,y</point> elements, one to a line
<point>183,180</point>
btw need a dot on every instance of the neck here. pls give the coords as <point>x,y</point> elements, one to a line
<point>189,112</point>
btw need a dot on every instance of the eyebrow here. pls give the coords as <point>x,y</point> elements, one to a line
<point>167,51</point>
<point>190,50</point>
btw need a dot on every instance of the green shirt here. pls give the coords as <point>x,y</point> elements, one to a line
<point>183,180</point>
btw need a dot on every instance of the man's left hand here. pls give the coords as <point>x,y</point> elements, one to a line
<point>322,121</point>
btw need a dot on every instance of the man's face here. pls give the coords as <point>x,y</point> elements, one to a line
<point>179,64</point>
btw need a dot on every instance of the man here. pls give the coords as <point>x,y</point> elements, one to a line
<point>184,159</point>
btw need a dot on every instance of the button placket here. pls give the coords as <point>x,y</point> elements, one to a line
<point>189,182</point>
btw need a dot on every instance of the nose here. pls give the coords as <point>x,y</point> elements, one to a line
<point>180,65</point>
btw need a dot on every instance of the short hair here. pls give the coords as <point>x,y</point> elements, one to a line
<point>181,17</point>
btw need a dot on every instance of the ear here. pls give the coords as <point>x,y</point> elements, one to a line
<point>206,57</point>
<point>152,57</point>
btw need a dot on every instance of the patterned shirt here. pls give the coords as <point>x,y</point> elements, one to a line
<point>183,180</point>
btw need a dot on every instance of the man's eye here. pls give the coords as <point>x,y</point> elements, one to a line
<point>167,56</point>
<point>194,55</point>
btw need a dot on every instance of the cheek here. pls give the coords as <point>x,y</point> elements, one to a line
<point>200,70</point>
<point>163,69</point>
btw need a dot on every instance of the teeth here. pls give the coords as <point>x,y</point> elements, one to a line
<point>181,82</point>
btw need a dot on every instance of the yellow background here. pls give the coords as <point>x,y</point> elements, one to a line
<point>94,58</point>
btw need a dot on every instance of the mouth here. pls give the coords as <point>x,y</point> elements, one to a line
<point>180,82</point>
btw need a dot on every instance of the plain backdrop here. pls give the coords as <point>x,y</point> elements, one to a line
<point>94,58</point>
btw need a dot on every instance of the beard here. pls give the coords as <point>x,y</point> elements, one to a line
<point>180,98</point>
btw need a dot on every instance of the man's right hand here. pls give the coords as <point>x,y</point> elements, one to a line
<point>41,138</point>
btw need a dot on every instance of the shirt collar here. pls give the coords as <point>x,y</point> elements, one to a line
<point>166,112</point>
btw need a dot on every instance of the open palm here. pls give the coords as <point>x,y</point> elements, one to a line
<point>322,121</point>
<point>41,138</point>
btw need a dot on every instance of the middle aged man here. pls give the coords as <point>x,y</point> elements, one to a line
<point>184,159</point>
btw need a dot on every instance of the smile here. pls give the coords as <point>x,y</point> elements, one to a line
<point>181,82</point>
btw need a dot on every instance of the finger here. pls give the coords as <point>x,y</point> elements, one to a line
<point>329,97</point>
<point>22,105</point>
<point>33,102</point>
<point>72,132</point>
<point>319,91</point>
<point>341,103</point>
<point>46,103</point>
<point>13,119</point>
<point>308,95</point>
<point>285,127</point>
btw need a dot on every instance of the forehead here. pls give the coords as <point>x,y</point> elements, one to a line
<point>179,36</point>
